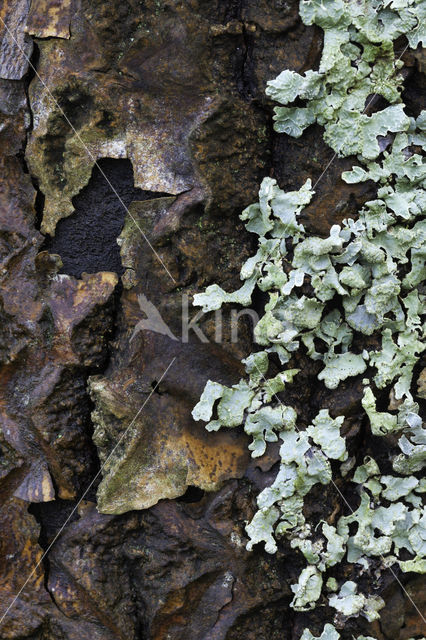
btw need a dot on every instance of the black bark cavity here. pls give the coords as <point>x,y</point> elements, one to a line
<point>87,240</point>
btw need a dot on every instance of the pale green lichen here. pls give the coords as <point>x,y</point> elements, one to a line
<point>329,633</point>
<point>304,455</point>
<point>357,62</point>
<point>370,269</point>
<point>407,421</point>
<point>350,603</point>
<point>326,551</point>
<point>384,530</point>
<point>308,589</point>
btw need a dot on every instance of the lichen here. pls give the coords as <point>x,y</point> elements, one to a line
<point>329,633</point>
<point>363,281</point>
<point>350,603</point>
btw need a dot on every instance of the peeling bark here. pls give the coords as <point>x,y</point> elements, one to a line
<point>169,97</point>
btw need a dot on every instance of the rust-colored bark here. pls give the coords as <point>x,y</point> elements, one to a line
<point>178,89</point>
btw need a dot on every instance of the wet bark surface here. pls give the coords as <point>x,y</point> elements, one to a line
<point>169,97</point>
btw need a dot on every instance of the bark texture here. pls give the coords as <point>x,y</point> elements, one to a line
<point>169,97</point>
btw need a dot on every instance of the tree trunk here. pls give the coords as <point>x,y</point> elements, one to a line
<point>121,517</point>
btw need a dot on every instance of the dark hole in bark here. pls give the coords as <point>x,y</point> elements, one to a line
<point>156,387</point>
<point>87,240</point>
<point>51,517</point>
<point>192,494</point>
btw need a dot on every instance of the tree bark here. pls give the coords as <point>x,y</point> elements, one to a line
<point>122,518</point>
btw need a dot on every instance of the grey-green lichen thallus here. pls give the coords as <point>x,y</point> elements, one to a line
<point>363,281</point>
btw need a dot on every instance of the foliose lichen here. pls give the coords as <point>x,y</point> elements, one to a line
<point>364,278</point>
<point>329,633</point>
